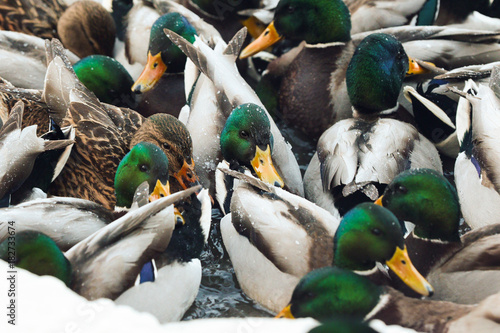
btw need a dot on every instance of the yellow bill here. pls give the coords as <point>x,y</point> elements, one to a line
<point>269,37</point>
<point>400,264</point>
<point>186,176</point>
<point>286,313</point>
<point>264,167</point>
<point>415,68</point>
<point>161,191</point>
<point>151,74</point>
<point>379,201</point>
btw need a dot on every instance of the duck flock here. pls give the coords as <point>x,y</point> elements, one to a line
<point>338,159</point>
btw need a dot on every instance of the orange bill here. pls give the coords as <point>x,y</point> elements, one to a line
<point>286,313</point>
<point>187,176</point>
<point>269,37</point>
<point>401,265</point>
<point>379,201</point>
<point>151,74</point>
<point>415,68</point>
<point>161,191</point>
<point>264,167</point>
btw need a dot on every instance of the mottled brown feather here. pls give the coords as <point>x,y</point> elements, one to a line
<point>32,17</point>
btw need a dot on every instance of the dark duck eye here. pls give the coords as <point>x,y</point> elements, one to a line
<point>401,189</point>
<point>143,168</point>
<point>244,134</point>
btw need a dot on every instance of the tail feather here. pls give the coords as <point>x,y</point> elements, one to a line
<point>60,81</point>
<point>235,44</point>
<point>58,144</point>
<point>15,120</point>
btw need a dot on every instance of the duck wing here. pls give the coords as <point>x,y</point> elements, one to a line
<point>107,262</point>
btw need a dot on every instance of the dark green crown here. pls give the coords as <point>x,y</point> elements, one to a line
<point>246,128</point>
<point>331,291</point>
<point>145,162</point>
<point>107,79</point>
<point>376,72</point>
<point>367,234</point>
<point>171,55</point>
<point>315,21</point>
<point>426,198</point>
<point>37,253</point>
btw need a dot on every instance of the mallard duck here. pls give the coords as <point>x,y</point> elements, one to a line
<point>85,27</point>
<point>332,291</point>
<point>274,238</point>
<point>57,217</point>
<point>373,15</point>
<point>89,172</point>
<point>356,158</point>
<point>19,149</point>
<point>246,144</point>
<point>162,76</point>
<point>107,79</point>
<point>461,269</point>
<point>141,18</point>
<point>130,240</point>
<point>312,93</point>
<point>234,91</point>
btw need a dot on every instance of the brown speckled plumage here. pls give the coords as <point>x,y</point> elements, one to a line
<point>35,110</point>
<point>85,27</point>
<point>172,137</point>
<point>104,134</point>
<point>32,17</point>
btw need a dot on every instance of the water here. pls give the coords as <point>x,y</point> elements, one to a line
<point>220,294</point>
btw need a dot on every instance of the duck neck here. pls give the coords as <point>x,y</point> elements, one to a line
<point>426,253</point>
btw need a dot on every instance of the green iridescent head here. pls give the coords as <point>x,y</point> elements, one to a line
<point>246,141</point>
<point>163,55</point>
<point>246,128</point>
<point>315,21</point>
<point>331,291</point>
<point>376,72</point>
<point>426,198</point>
<point>107,79</point>
<point>38,254</point>
<point>145,162</point>
<point>367,234</point>
<point>171,55</point>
